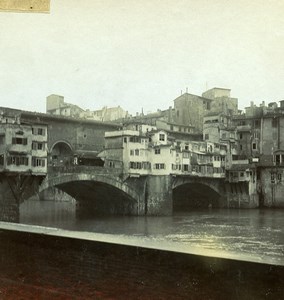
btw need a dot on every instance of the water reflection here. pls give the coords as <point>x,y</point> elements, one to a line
<point>247,232</point>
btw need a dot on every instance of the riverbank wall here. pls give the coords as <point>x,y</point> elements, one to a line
<point>46,263</point>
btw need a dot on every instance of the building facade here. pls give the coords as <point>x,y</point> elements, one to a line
<point>190,109</point>
<point>23,147</point>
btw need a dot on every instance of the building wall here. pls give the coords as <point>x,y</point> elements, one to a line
<point>23,149</point>
<point>190,110</point>
<point>272,134</point>
<point>272,186</point>
<point>54,102</point>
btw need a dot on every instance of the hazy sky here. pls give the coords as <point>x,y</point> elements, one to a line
<point>142,53</point>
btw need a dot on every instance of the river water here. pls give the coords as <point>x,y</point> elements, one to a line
<point>251,234</point>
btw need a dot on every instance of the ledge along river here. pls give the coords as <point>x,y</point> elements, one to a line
<point>246,234</point>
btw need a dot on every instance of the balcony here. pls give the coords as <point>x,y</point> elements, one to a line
<point>244,128</point>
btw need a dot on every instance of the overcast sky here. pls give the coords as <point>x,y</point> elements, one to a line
<point>142,53</point>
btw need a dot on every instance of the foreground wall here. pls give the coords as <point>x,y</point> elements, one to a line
<point>58,267</point>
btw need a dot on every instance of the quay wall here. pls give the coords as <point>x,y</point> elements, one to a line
<point>63,265</point>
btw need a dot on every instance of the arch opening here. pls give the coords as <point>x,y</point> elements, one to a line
<point>190,196</point>
<point>95,198</point>
<point>61,154</point>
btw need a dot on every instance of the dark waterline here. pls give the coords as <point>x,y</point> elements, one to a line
<point>253,232</point>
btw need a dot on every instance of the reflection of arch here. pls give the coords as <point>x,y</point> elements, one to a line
<point>61,153</point>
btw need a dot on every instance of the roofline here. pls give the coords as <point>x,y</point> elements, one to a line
<point>29,114</point>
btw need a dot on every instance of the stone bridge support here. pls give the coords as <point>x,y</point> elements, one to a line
<point>158,195</point>
<point>14,189</point>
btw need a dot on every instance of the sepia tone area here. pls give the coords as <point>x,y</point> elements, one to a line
<point>142,150</point>
<point>25,5</point>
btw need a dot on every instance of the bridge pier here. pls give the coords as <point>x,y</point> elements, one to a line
<point>158,195</point>
<point>14,189</point>
<point>9,205</point>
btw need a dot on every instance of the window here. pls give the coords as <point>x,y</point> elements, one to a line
<point>206,137</point>
<point>279,177</point>
<point>19,141</point>
<point>185,155</point>
<point>38,131</point>
<point>241,136</point>
<point>18,160</point>
<point>254,146</point>
<point>135,165</point>
<point>186,147</point>
<point>241,147</point>
<point>2,139</point>
<point>41,131</point>
<point>2,160</point>
<point>134,139</point>
<point>157,151</point>
<point>242,174</point>
<point>146,165</point>
<point>37,146</point>
<point>256,123</point>
<point>38,162</point>
<point>131,152</point>
<point>159,166</point>
<point>162,137</point>
<point>278,159</point>
<point>256,135</point>
<point>274,122</point>
<point>185,168</point>
<point>136,152</point>
<point>125,140</point>
<point>272,177</point>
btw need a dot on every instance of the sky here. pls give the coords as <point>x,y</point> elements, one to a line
<point>141,53</point>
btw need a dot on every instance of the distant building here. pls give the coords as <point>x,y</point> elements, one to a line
<point>55,105</point>
<point>223,103</point>
<point>23,147</point>
<point>190,109</point>
<point>106,114</point>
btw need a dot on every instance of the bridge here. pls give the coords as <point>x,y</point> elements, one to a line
<point>101,190</point>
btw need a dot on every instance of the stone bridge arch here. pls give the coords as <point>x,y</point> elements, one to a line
<point>61,153</point>
<point>97,193</point>
<point>197,192</point>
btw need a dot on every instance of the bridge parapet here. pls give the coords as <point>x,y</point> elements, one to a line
<point>83,169</point>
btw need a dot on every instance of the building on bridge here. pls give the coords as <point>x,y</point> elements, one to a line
<point>146,150</point>
<point>23,146</point>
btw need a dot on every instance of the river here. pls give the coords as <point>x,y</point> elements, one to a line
<point>244,233</point>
